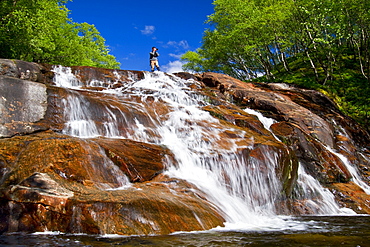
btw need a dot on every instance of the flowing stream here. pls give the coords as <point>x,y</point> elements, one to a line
<point>245,195</point>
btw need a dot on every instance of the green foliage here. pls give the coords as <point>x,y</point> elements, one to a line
<point>239,42</point>
<point>319,44</point>
<point>40,31</point>
<point>348,87</point>
<point>194,62</point>
<point>249,38</point>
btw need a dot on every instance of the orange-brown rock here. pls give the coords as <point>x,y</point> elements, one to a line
<point>308,122</point>
<point>53,182</point>
<point>319,161</point>
<point>352,196</point>
<point>56,182</point>
<point>278,105</point>
<point>139,161</point>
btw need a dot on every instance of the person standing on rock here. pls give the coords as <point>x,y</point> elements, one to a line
<point>154,59</point>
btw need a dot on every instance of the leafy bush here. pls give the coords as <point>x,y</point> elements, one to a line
<point>40,31</point>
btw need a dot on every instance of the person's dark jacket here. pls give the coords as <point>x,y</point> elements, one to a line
<point>154,55</point>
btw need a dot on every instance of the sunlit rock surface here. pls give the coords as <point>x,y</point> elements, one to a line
<point>60,183</point>
<point>56,178</point>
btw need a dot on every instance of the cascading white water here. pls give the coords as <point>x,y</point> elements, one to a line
<point>81,121</point>
<point>352,170</point>
<point>65,78</point>
<point>350,167</point>
<point>241,192</point>
<point>214,164</point>
<point>267,122</point>
<point>318,199</point>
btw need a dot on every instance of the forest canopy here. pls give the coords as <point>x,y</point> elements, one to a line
<point>248,38</point>
<point>321,44</point>
<point>41,31</point>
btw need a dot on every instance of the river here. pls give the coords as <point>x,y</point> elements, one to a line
<point>308,231</point>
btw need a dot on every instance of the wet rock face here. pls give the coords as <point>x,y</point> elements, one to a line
<point>23,70</point>
<point>311,126</point>
<point>278,105</point>
<point>60,183</point>
<point>108,76</point>
<point>22,104</point>
<point>51,181</point>
<point>319,161</point>
<point>140,161</point>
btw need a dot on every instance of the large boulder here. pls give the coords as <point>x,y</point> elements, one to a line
<point>23,104</point>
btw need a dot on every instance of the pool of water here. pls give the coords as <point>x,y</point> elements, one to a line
<point>315,231</point>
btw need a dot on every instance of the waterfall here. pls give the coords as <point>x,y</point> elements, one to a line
<point>82,122</point>
<point>65,78</point>
<point>267,122</point>
<point>318,199</point>
<point>242,192</point>
<point>352,170</point>
<point>216,165</point>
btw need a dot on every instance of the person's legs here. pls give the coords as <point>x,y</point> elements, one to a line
<point>157,65</point>
<point>152,65</point>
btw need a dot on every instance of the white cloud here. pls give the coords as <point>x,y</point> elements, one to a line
<point>172,67</point>
<point>181,44</point>
<point>184,44</point>
<point>177,56</point>
<point>148,30</point>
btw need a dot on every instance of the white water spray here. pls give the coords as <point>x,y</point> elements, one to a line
<point>352,170</point>
<point>65,78</point>
<point>216,165</point>
<point>319,200</point>
<point>267,122</point>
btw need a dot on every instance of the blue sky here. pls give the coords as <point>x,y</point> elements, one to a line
<point>132,27</point>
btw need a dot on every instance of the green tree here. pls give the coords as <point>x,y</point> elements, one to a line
<point>253,37</point>
<point>322,44</point>
<point>242,38</point>
<point>40,31</point>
